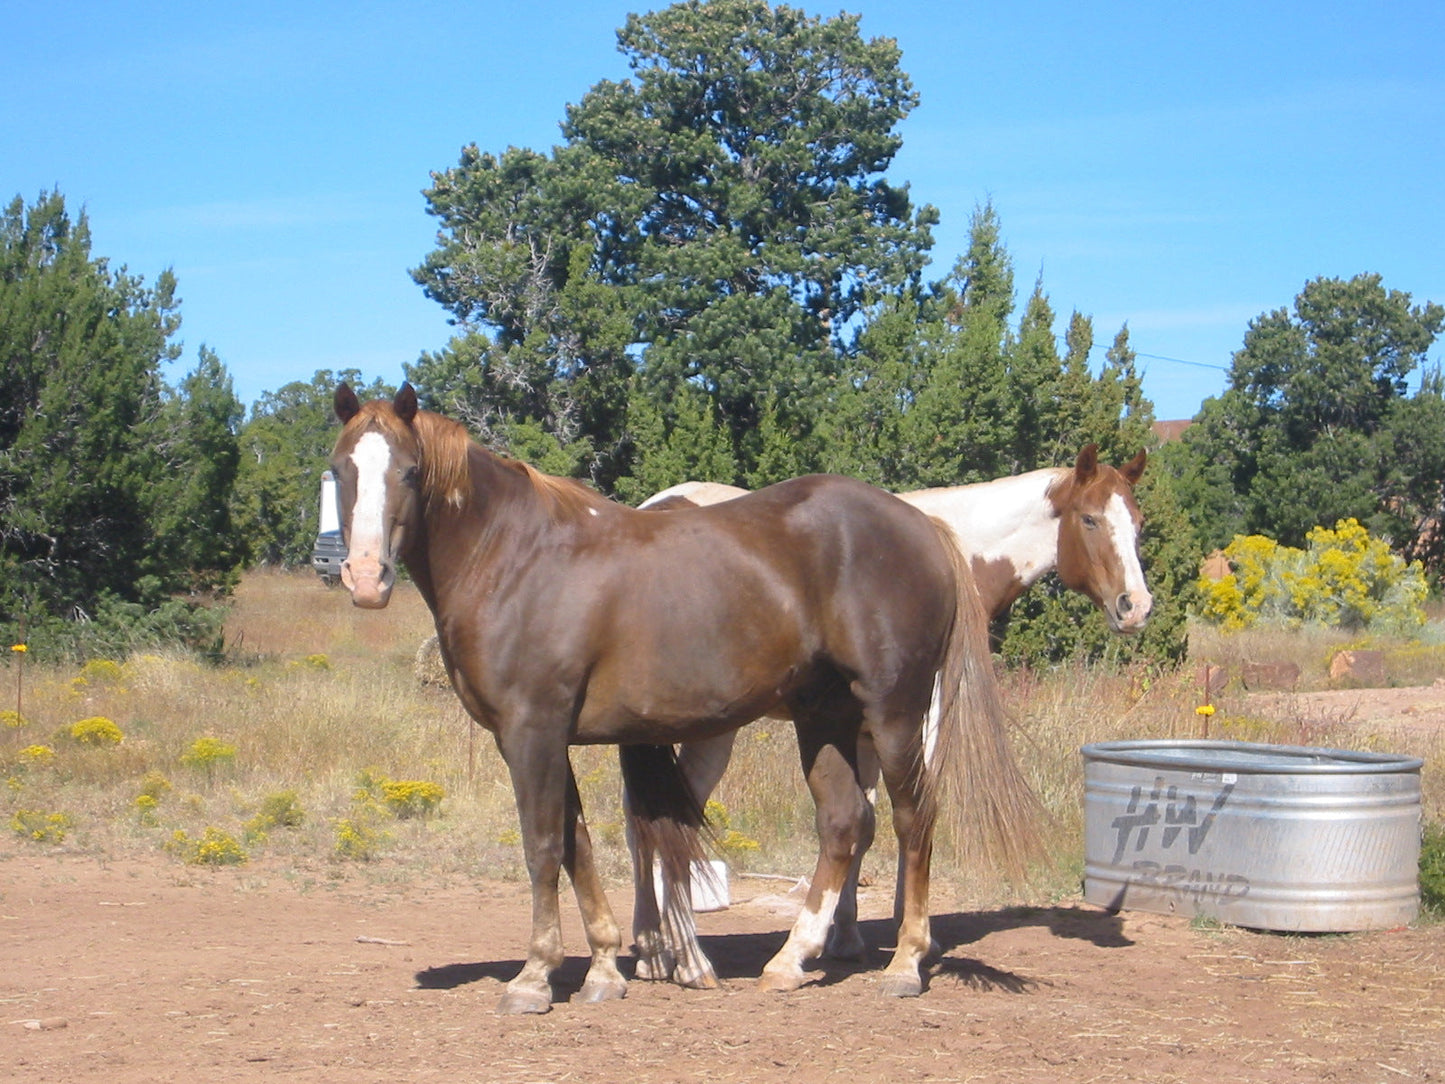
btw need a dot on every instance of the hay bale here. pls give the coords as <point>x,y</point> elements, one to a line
<point>428,667</point>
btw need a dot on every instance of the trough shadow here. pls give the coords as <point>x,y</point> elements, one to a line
<point>1103,929</point>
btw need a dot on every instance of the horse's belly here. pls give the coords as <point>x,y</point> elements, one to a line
<point>642,707</point>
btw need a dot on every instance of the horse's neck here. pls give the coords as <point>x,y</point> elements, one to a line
<point>1006,523</point>
<point>505,511</point>
<point>496,498</point>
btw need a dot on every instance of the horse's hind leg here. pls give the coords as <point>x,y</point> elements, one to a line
<point>828,753</point>
<point>845,939</point>
<point>913,826</point>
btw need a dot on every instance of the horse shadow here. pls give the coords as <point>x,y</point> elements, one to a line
<point>742,956</point>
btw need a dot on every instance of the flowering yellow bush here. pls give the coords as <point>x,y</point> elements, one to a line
<point>357,840</point>
<point>1345,578</point>
<point>11,719</point>
<point>101,672</point>
<point>97,730</point>
<point>37,754</point>
<point>408,798</point>
<point>153,788</point>
<point>729,838</point>
<point>214,848</point>
<point>40,827</point>
<point>207,753</point>
<point>402,798</point>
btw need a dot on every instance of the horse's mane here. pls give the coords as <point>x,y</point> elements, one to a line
<point>446,474</point>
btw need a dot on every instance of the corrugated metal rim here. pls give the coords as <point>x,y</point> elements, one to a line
<point>1231,756</point>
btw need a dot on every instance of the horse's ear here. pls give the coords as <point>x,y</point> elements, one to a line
<point>405,403</point>
<point>1134,469</point>
<point>344,403</point>
<point>1086,465</point>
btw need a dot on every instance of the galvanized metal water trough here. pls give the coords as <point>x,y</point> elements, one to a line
<point>1272,837</point>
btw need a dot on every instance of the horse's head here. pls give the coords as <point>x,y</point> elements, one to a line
<point>1099,525</point>
<point>376,463</point>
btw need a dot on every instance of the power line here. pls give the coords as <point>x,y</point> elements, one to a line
<point>1181,361</point>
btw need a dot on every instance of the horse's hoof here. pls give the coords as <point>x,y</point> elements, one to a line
<point>845,945</point>
<point>595,990</point>
<point>780,982</point>
<point>701,979</point>
<point>655,961</point>
<point>901,986</point>
<point>523,1002</point>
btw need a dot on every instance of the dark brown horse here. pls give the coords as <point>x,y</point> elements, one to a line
<point>565,619</point>
<point>1082,520</point>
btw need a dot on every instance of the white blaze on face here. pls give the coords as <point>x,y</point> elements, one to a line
<point>372,456</point>
<point>364,573</point>
<point>1125,540</point>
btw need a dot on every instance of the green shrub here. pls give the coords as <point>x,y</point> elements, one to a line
<point>153,788</point>
<point>1432,869</point>
<point>279,810</point>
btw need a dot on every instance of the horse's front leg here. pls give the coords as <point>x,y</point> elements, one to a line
<point>550,815</point>
<point>604,982</point>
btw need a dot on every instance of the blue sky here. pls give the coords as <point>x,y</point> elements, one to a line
<point>1181,168</point>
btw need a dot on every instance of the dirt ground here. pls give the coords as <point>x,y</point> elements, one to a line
<point>143,970</point>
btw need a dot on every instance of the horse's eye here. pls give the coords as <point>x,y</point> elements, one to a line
<point>410,476</point>
<point>1090,522</point>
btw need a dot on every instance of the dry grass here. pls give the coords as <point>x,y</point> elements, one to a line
<point>318,697</point>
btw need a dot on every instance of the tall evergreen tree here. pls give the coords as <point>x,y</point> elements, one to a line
<point>719,220</point>
<point>197,460</point>
<point>113,488</point>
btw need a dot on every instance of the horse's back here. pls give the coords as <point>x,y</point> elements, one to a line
<point>729,609</point>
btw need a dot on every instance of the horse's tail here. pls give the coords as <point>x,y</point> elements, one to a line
<point>972,779</point>
<point>667,823</point>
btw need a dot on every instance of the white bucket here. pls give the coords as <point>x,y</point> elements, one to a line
<point>709,886</point>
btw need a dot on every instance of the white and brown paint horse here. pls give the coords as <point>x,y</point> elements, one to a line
<point>1082,520</point>
<point>564,619</point>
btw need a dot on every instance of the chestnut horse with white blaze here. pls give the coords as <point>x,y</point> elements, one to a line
<point>1082,520</point>
<point>564,618</point>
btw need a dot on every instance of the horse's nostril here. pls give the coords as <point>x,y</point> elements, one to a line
<point>1125,606</point>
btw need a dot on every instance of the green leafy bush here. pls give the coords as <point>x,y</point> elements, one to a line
<point>279,810</point>
<point>1432,869</point>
